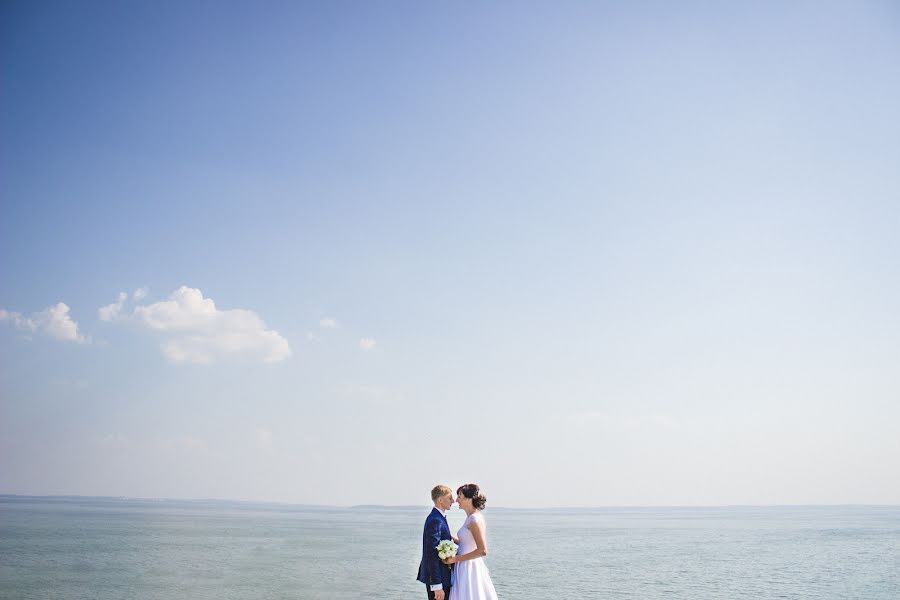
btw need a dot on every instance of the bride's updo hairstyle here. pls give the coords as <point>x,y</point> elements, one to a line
<point>473,493</point>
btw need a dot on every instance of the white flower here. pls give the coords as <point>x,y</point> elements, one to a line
<point>446,549</point>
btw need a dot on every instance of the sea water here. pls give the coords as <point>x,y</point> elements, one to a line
<point>78,548</point>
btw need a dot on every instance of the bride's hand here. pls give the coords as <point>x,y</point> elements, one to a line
<point>450,560</point>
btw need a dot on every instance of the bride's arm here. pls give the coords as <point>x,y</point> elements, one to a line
<point>480,546</point>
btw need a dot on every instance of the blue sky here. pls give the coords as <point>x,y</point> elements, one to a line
<point>582,254</point>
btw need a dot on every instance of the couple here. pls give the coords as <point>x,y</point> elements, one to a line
<point>469,579</point>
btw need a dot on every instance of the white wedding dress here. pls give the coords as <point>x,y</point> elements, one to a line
<point>471,578</point>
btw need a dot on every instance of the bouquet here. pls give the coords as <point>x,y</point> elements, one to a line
<point>446,549</point>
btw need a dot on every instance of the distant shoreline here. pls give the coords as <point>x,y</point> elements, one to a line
<point>405,507</point>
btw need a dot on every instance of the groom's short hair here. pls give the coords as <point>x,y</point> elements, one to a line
<point>439,491</point>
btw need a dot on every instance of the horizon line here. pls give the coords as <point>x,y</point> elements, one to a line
<point>414,506</point>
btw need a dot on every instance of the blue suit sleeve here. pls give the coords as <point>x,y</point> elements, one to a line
<point>433,564</point>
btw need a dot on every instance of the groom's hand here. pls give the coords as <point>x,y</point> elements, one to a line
<point>438,594</point>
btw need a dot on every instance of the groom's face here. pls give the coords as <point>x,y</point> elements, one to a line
<point>446,501</point>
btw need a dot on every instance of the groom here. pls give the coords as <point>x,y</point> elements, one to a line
<point>432,571</point>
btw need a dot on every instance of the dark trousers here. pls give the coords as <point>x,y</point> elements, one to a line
<point>431,594</point>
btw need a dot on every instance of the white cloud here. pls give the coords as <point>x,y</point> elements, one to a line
<point>194,330</point>
<point>54,321</point>
<point>367,344</point>
<point>18,321</point>
<point>111,312</point>
<point>328,323</point>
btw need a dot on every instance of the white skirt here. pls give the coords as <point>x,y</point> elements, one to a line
<point>472,581</point>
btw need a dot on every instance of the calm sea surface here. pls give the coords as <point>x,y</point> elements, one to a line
<point>113,549</point>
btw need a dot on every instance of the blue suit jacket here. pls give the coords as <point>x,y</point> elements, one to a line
<point>432,571</point>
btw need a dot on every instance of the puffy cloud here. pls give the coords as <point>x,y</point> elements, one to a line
<point>328,323</point>
<point>111,312</point>
<point>54,321</point>
<point>195,330</point>
<point>17,319</point>
<point>367,344</point>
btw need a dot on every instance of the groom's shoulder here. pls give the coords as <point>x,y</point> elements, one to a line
<point>432,514</point>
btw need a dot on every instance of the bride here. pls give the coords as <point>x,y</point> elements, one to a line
<point>471,578</point>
